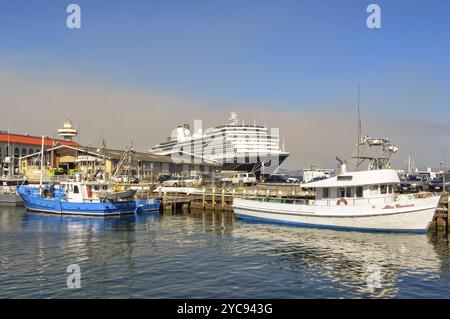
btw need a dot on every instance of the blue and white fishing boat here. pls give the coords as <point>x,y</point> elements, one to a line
<point>84,198</point>
<point>91,198</point>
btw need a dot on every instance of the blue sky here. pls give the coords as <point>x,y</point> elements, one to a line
<point>290,55</point>
<point>290,52</point>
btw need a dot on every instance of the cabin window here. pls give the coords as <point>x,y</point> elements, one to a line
<point>348,192</point>
<point>76,190</point>
<point>341,192</point>
<point>325,193</point>
<point>373,190</point>
<point>383,189</point>
<point>359,191</point>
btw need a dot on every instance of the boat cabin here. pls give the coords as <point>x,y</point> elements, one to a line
<point>349,186</point>
<point>82,191</point>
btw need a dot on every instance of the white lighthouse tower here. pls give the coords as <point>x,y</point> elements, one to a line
<point>68,131</point>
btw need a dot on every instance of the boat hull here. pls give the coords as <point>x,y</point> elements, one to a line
<point>406,218</point>
<point>11,200</point>
<point>34,202</point>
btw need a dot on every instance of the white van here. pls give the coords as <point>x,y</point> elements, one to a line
<point>244,179</point>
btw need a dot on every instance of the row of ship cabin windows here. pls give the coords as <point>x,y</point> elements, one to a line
<point>355,192</point>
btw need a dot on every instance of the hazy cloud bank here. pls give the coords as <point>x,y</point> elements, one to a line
<point>121,115</point>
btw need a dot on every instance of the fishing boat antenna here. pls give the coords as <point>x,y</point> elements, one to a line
<point>359,123</point>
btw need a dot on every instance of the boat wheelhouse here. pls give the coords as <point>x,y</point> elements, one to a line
<point>356,187</point>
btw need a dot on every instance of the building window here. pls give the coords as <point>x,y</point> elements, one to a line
<point>16,152</point>
<point>30,151</point>
<point>24,152</point>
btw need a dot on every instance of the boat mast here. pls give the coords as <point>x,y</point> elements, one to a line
<point>104,159</point>
<point>359,125</point>
<point>42,166</point>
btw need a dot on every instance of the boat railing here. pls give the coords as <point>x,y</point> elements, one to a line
<point>336,201</point>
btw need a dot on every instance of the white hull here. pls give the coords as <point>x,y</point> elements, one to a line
<point>414,215</point>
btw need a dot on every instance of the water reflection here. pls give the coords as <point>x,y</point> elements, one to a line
<point>208,255</point>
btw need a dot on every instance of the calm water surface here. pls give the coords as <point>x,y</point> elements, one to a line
<point>207,255</point>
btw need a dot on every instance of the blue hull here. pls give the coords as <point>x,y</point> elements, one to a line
<point>58,205</point>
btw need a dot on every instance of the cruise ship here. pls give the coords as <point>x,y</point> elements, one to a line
<point>234,146</point>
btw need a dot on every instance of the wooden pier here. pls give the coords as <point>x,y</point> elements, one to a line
<point>221,199</point>
<point>440,219</point>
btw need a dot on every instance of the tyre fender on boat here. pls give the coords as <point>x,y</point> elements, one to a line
<point>341,201</point>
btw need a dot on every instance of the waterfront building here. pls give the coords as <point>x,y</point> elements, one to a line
<point>64,160</point>
<point>15,146</point>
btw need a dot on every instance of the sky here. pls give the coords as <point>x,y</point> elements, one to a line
<point>137,69</point>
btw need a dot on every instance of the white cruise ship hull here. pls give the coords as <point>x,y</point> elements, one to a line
<point>413,215</point>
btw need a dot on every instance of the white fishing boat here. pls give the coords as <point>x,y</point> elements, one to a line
<point>8,183</point>
<point>353,200</point>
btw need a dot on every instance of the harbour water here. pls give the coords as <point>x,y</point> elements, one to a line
<point>211,255</point>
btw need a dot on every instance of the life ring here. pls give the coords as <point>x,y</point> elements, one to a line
<point>341,200</point>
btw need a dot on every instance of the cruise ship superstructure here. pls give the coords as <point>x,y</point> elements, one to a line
<point>234,146</point>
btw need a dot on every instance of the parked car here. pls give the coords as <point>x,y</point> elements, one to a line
<point>276,178</point>
<point>192,181</point>
<point>318,178</point>
<point>125,179</point>
<point>163,178</point>
<point>244,179</point>
<point>293,179</point>
<point>437,184</point>
<point>133,180</point>
<point>173,181</point>
<point>414,183</point>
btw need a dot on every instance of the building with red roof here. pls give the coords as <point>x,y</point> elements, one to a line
<point>17,145</point>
